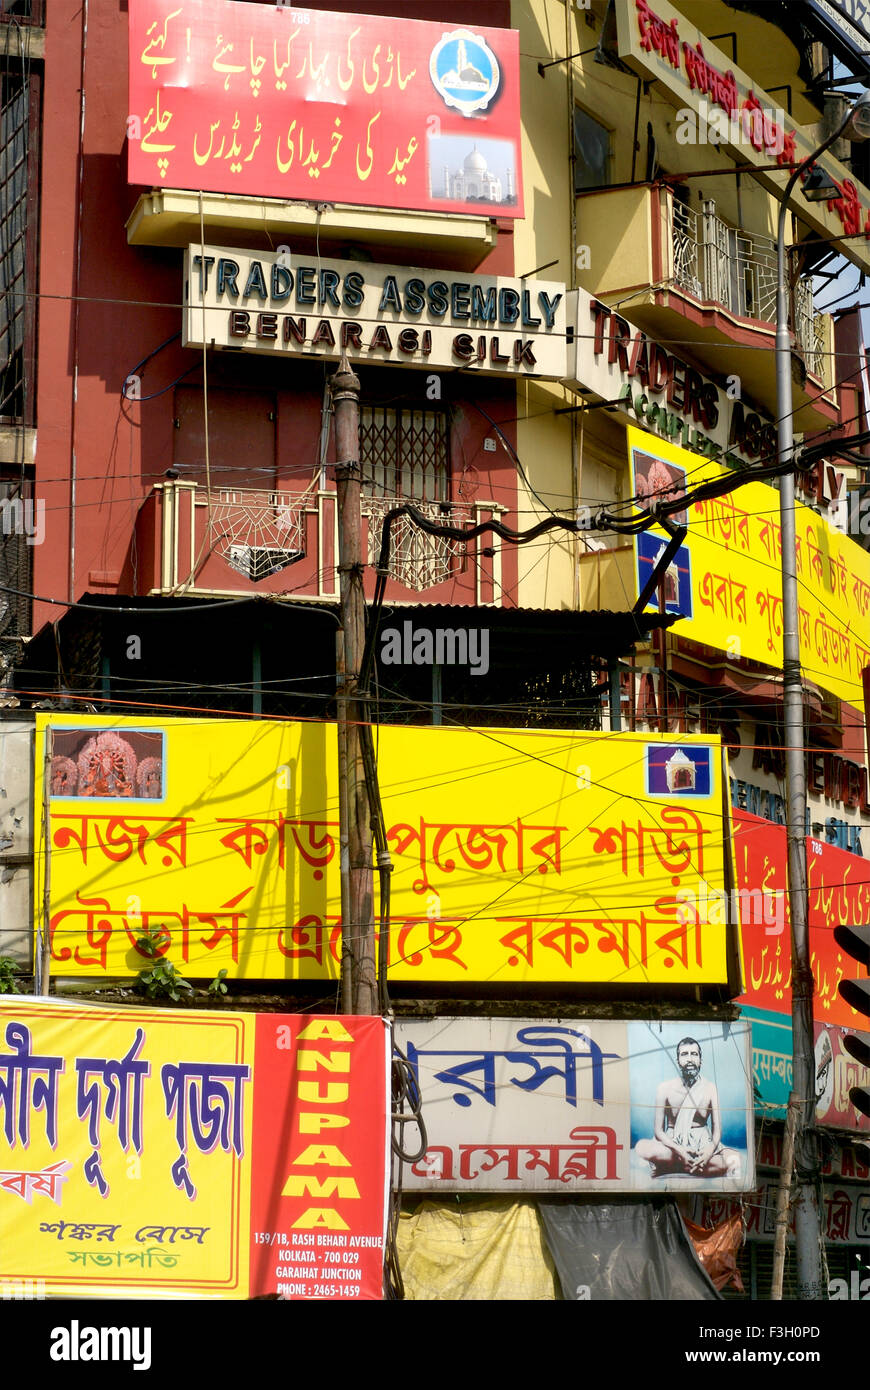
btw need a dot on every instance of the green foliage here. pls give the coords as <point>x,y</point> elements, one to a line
<point>217,988</point>
<point>161,980</point>
<point>8,974</point>
<point>153,940</point>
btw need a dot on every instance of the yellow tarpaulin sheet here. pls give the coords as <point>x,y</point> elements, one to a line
<point>475,1251</point>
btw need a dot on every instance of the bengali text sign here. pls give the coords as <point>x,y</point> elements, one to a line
<point>726,577</point>
<point>839,892</point>
<point>836,1072</point>
<point>659,42</point>
<point>148,1152</point>
<point>517,855</point>
<point>579,1105</point>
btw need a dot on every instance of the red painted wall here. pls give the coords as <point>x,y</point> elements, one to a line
<point>105,306</point>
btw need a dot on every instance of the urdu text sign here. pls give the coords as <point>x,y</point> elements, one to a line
<point>284,102</point>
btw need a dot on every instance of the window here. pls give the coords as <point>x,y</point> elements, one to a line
<point>241,436</point>
<point>24,11</point>
<point>19,137</point>
<point>591,152</point>
<point>20,518</point>
<point>404,453</point>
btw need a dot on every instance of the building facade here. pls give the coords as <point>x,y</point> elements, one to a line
<point>558,296</point>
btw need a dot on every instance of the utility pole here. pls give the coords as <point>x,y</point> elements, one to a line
<point>818,187</point>
<point>807,1220</point>
<point>359,974</point>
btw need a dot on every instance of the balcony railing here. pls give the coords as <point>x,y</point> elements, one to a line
<point>417,560</point>
<point>721,264</point>
<point>258,533</point>
<point>241,540</point>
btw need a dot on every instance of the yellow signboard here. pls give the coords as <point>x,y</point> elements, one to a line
<point>727,581</point>
<point>105,1207</point>
<point>518,855</point>
<point>145,1152</point>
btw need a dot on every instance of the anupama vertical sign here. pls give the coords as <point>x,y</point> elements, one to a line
<point>319,1182</point>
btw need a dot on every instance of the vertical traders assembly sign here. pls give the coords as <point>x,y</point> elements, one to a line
<point>518,855</point>
<point>146,1152</point>
<point>575,1106</point>
<point>285,102</point>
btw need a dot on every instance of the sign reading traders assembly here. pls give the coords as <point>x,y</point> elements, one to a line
<point>275,303</point>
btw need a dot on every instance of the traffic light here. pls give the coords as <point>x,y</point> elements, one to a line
<point>855,941</point>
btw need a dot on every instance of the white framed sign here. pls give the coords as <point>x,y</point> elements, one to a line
<point>576,1106</point>
<point>302,306</point>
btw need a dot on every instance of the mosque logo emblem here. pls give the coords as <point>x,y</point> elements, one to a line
<point>464,71</point>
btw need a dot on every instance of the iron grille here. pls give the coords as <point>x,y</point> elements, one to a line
<point>15,564</point>
<point>404,453</point>
<point>16,315</point>
<point>716,262</point>
<point>257,533</point>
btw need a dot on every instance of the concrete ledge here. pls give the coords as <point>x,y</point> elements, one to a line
<point>17,444</point>
<point>170,217</point>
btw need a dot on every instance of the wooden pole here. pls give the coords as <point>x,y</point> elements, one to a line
<point>344,848</point>
<point>782,1199</point>
<point>358,931</point>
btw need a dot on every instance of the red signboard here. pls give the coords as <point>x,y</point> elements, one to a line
<point>282,102</point>
<point>839,892</point>
<point>319,1157</point>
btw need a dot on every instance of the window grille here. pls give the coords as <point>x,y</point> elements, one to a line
<point>405,457</point>
<point>18,225</point>
<point>16,519</point>
<point>404,453</point>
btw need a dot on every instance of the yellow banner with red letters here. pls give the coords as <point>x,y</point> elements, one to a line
<point>518,855</point>
<point>726,578</point>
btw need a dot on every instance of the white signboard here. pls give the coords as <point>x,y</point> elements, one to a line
<point>659,390</point>
<point>576,1106</point>
<point>659,42</point>
<point>431,319</point>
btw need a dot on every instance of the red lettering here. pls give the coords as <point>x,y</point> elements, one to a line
<point>620,337</point>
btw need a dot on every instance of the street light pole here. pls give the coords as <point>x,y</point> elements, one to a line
<point>807,1227</point>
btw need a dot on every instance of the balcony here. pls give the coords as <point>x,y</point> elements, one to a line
<point>248,541</point>
<point>685,274</point>
<point>718,264</point>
